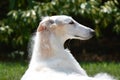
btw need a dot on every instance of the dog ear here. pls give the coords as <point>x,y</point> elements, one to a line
<point>41,27</point>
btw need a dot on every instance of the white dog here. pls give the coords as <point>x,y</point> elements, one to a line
<point>50,61</point>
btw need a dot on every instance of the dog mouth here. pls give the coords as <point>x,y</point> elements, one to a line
<point>82,38</point>
<point>76,36</point>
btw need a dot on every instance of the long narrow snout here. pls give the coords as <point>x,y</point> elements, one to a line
<point>82,32</point>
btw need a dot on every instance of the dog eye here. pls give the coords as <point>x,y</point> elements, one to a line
<point>51,21</point>
<point>71,22</point>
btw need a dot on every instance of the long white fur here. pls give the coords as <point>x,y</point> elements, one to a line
<point>50,61</point>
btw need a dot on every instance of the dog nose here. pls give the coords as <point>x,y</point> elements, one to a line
<point>92,32</point>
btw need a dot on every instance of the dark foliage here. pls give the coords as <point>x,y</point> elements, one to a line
<point>20,18</point>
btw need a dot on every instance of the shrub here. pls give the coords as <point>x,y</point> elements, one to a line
<point>16,29</point>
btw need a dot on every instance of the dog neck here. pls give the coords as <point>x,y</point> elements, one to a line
<point>49,52</point>
<point>46,46</point>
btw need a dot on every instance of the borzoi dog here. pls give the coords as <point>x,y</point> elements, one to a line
<point>50,61</point>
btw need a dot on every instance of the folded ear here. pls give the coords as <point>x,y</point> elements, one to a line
<point>41,28</point>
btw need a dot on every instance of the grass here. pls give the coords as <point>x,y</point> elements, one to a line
<point>111,68</point>
<point>14,70</point>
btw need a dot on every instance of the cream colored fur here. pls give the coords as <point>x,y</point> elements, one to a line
<point>50,61</point>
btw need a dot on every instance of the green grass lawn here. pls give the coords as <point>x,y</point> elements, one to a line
<point>93,68</point>
<point>14,70</point>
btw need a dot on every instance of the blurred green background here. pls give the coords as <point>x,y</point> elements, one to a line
<point>20,18</point>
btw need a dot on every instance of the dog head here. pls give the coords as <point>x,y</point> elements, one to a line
<point>65,27</point>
